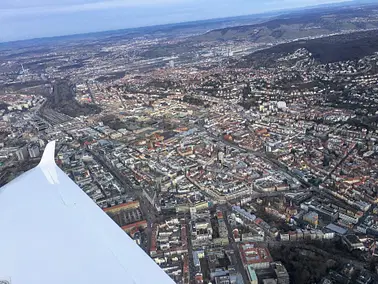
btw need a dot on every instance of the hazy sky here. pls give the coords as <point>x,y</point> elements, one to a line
<point>20,19</point>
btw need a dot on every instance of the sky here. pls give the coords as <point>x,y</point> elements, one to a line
<point>24,19</point>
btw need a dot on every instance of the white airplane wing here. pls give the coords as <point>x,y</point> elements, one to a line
<point>51,232</point>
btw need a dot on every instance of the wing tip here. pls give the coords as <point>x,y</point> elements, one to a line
<point>48,157</point>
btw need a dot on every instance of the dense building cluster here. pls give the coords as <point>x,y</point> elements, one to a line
<point>214,164</point>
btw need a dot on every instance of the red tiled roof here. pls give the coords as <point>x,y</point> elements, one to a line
<point>134,225</point>
<point>128,204</point>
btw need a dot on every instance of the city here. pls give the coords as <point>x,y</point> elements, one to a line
<point>227,158</point>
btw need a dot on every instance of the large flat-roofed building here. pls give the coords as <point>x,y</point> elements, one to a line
<point>324,212</point>
<point>22,154</point>
<point>349,218</point>
<point>352,242</point>
<point>337,229</point>
<point>257,257</point>
<point>245,215</point>
<point>127,215</point>
<point>34,151</point>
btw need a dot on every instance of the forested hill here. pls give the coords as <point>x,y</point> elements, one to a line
<point>296,25</point>
<point>344,47</point>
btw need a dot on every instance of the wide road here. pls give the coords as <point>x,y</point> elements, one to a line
<point>340,163</point>
<point>126,183</point>
<point>192,268</point>
<point>239,263</point>
<point>148,211</point>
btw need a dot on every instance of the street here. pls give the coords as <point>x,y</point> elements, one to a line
<point>239,263</point>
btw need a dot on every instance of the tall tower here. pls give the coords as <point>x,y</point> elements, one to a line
<point>221,157</point>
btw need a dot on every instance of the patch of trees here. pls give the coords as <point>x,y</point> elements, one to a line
<point>111,76</point>
<point>246,91</point>
<point>277,33</point>
<point>29,53</point>
<point>4,106</point>
<point>165,50</point>
<point>113,122</point>
<point>22,85</point>
<point>63,100</point>
<point>194,101</point>
<point>370,123</point>
<point>4,135</point>
<point>166,84</point>
<point>72,66</point>
<point>303,266</point>
<point>248,99</point>
<point>247,104</point>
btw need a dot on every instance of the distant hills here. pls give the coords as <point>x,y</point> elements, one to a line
<point>344,47</point>
<point>174,29</point>
<point>278,29</point>
<point>365,1</point>
<point>299,24</point>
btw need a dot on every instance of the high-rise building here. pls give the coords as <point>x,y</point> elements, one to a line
<point>22,154</point>
<point>281,273</point>
<point>34,151</point>
<point>221,157</point>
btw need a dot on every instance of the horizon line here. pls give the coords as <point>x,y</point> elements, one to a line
<point>273,12</point>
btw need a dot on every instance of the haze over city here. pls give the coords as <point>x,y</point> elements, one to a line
<point>25,19</point>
